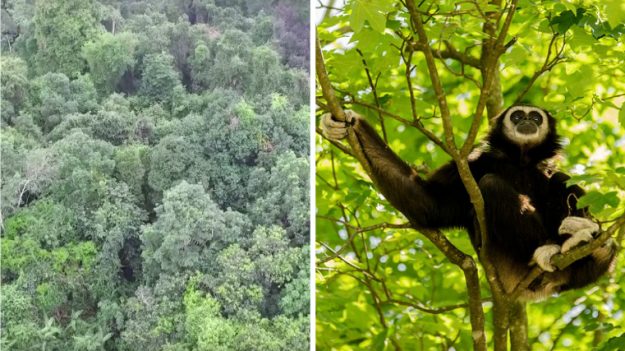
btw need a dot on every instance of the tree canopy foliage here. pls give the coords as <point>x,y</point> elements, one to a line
<point>381,285</point>
<point>154,175</point>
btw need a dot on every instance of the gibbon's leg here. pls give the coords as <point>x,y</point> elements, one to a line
<point>514,227</point>
<point>580,230</point>
<point>592,267</point>
<point>589,268</point>
<point>395,179</point>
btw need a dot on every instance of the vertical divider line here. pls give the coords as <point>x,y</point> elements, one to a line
<point>312,194</point>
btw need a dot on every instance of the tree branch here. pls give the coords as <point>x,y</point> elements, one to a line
<point>493,47</point>
<point>374,91</point>
<point>430,310</point>
<point>518,327</point>
<point>564,260</point>
<point>461,161</point>
<point>547,65</point>
<point>338,144</point>
<point>417,23</point>
<point>335,107</point>
<point>416,124</point>
<point>489,61</point>
<point>472,281</point>
<point>356,231</point>
<point>450,52</point>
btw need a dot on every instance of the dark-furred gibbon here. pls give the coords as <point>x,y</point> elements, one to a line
<point>531,215</point>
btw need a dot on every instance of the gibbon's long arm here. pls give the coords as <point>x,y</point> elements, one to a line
<point>424,202</point>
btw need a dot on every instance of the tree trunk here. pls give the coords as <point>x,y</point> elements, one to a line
<point>501,322</point>
<point>494,103</point>
<point>518,327</point>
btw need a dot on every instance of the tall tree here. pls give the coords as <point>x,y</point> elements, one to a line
<point>200,67</point>
<point>62,27</point>
<point>14,86</point>
<point>109,56</point>
<point>159,78</point>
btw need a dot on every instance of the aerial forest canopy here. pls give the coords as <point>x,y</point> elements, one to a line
<point>431,76</point>
<point>155,175</point>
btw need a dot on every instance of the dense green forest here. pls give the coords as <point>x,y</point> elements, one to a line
<point>155,175</point>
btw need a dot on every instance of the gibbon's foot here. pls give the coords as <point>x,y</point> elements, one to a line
<point>337,130</point>
<point>581,230</point>
<point>543,254</point>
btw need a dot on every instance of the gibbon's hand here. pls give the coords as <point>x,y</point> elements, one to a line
<point>542,257</point>
<point>581,230</point>
<point>337,130</point>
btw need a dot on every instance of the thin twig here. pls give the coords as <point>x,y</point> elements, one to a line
<point>416,124</point>
<point>338,144</point>
<point>548,65</point>
<point>450,52</point>
<point>375,93</point>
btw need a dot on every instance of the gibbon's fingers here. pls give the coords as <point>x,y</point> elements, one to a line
<point>572,225</point>
<point>542,257</point>
<point>581,236</point>
<point>335,130</point>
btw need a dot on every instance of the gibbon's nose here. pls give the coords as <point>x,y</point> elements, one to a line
<point>526,127</point>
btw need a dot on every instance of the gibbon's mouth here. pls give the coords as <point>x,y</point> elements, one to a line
<point>526,127</point>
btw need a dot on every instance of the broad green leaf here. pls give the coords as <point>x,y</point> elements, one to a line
<point>581,39</point>
<point>563,21</point>
<point>614,344</point>
<point>597,201</point>
<point>371,11</point>
<point>615,12</point>
<point>379,341</point>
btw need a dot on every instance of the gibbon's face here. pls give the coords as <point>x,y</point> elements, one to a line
<point>525,125</point>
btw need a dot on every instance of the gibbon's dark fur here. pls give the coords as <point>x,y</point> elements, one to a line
<point>506,173</point>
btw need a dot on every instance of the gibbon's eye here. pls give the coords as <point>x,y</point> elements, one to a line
<point>517,116</point>
<point>536,117</point>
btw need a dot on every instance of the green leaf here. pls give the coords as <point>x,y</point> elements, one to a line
<point>564,21</point>
<point>621,115</point>
<point>614,344</point>
<point>369,41</point>
<point>379,341</point>
<point>517,55</point>
<point>597,201</point>
<point>615,12</point>
<point>583,77</point>
<point>581,39</point>
<point>372,11</point>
